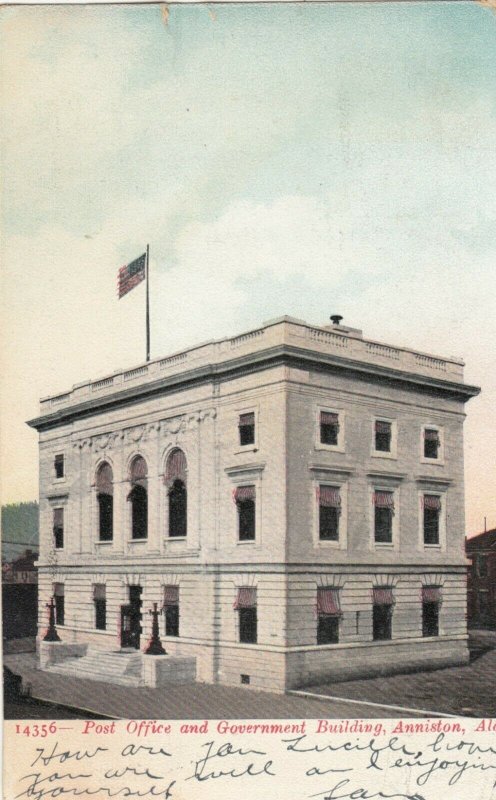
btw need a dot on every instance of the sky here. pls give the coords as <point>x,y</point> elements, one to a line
<point>302,159</point>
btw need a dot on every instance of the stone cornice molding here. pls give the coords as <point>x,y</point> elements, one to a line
<point>279,355</point>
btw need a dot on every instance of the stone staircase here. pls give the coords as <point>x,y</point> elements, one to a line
<point>119,667</point>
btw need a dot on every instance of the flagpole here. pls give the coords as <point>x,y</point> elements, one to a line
<point>147,303</point>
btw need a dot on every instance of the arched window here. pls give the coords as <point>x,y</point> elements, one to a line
<point>105,497</point>
<point>138,497</point>
<point>175,479</point>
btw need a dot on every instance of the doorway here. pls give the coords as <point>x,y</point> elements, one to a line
<point>131,619</point>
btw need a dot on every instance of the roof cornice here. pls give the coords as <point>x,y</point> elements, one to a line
<point>283,354</point>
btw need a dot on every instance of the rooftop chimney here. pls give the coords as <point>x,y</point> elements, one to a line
<point>336,319</point>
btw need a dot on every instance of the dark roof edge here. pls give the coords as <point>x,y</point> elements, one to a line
<point>262,359</point>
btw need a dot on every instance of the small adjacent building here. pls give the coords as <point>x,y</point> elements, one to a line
<point>292,498</point>
<point>481,606</point>
<point>20,596</point>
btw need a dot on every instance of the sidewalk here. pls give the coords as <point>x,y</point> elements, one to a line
<point>191,701</point>
<point>464,691</point>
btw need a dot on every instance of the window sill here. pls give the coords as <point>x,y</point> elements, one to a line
<point>336,544</point>
<point>137,541</point>
<point>333,448</point>
<point>176,538</point>
<point>384,545</point>
<point>436,462</point>
<point>246,541</point>
<point>432,546</point>
<point>105,542</point>
<point>384,454</point>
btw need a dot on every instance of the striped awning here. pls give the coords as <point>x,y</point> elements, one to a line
<point>171,595</point>
<point>383,596</point>
<point>328,601</point>
<point>104,479</point>
<point>432,501</point>
<point>382,427</point>
<point>383,499</point>
<point>328,418</point>
<point>329,496</point>
<point>246,597</point>
<point>242,493</point>
<point>431,594</point>
<point>247,419</point>
<point>138,471</point>
<point>176,466</point>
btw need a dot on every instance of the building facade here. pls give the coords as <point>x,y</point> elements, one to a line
<point>481,552</point>
<point>292,498</point>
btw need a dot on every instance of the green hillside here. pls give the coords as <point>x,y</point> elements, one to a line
<point>19,529</point>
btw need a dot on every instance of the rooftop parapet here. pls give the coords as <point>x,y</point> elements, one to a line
<point>336,341</point>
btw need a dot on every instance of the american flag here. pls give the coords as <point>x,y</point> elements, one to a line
<point>130,275</point>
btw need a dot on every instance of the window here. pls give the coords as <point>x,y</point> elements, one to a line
<point>483,602</point>
<point>246,428</point>
<point>431,597</point>
<point>59,466</point>
<point>105,491</point>
<point>432,443</point>
<point>58,528</point>
<point>246,605</point>
<point>383,436</point>
<point>328,615</point>
<point>383,516</point>
<point>171,610</point>
<point>175,479</point>
<point>100,603</point>
<point>481,565</point>
<point>244,497</point>
<point>432,511</point>
<point>58,591</point>
<point>329,500</point>
<point>329,428</point>
<point>382,613</point>
<point>138,497</point>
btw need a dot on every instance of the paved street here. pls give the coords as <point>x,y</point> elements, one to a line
<point>192,701</point>
<point>465,691</point>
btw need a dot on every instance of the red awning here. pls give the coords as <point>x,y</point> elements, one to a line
<point>329,496</point>
<point>242,493</point>
<point>382,427</point>
<point>383,499</point>
<point>328,418</point>
<point>104,479</point>
<point>171,595</point>
<point>383,596</point>
<point>176,466</point>
<point>431,594</point>
<point>246,597</point>
<point>328,601</point>
<point>432,501</point>
<point>138,471</point>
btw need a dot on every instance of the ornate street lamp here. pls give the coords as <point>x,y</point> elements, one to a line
<point>51,635</point>
<point>154,647</point>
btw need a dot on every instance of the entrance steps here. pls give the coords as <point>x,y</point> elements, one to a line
<point>119,667</point>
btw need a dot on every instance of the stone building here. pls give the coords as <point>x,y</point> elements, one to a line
<point>292,498</point>
<point>481,552</point>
